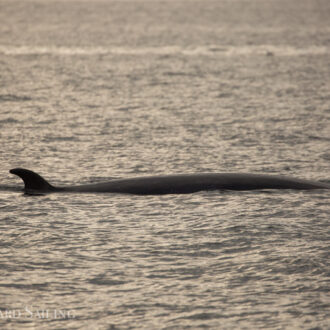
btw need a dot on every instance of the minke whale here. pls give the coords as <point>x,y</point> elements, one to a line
<point>172,184</point>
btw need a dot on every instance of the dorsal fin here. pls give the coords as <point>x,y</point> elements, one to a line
<point>32,181</point>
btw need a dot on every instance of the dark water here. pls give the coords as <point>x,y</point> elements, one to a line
<point>91,90</point>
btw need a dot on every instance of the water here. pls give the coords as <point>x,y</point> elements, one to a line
<point>93,90</point>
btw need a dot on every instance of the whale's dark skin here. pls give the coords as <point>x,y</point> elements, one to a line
<point>173,184</point>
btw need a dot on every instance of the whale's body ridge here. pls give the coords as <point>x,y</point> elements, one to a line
<point>173,184</point>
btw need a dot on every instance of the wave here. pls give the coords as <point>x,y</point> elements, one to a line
<point>14,98</point>
<point>10,188</point>
<point>267,50</point>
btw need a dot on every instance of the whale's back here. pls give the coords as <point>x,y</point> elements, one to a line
<point>190,183</point>
<point>173,184</point>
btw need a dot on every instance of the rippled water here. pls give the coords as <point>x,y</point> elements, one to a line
<point>93,90</point>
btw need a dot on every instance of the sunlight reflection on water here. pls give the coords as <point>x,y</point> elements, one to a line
<point>136,90</point>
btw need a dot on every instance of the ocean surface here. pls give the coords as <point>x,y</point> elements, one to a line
<point>95,90</point>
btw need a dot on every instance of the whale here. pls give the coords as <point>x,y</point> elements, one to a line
<point>171,184</point>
